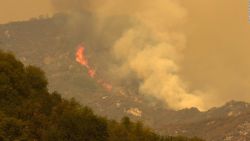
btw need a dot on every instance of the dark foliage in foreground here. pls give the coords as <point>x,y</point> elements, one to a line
<point>28,112</point>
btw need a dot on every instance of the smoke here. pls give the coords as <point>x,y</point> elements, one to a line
<point>148,44</point>
<point>217,53</point>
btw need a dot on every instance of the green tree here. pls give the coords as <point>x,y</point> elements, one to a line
<point>37,78</point>
<point>75,123</point>
<point>13,82</point>
<point>12,129</point>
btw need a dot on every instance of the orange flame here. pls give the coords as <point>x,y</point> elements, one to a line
<point>82,59</point>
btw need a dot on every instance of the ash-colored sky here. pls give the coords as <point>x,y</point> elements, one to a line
<point>13,10</point>
<point>217,55</point>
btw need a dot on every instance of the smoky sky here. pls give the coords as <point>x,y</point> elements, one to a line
<point>216,58</point>
<point>20,10</point>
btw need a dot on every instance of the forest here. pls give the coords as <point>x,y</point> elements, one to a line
<point>29,112</point>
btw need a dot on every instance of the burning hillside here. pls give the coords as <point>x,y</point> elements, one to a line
<point>82,60</point>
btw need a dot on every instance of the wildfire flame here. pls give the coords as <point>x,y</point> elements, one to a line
<point>82,59</point>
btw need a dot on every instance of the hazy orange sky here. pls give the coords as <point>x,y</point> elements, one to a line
<point>13,10</point>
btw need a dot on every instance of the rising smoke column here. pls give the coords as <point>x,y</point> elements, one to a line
<point>149,47</point>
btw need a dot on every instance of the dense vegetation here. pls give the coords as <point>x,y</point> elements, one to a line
<point>28,112</point>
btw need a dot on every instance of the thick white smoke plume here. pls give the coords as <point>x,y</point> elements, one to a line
<point>149,47</point>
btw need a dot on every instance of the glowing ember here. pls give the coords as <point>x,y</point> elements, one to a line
<point>107,86</point>
<point>82,59</point>
<point>91,73</point>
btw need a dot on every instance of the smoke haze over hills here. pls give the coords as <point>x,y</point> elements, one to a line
<point>148,60</point>
<point>148,47</point>
<point>201,47</point>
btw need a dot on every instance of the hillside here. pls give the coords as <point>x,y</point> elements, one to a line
<point>47,43</point>
<point>29,112</point>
